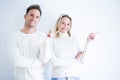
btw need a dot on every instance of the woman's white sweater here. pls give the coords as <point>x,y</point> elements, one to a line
<point>65,49</point>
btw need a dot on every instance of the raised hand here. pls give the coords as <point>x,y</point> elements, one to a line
<point>80,55</point>
<point>51,34</point>
<point>91,36</point>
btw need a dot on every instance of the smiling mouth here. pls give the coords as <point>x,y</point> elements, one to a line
<point>32,21</point>
<point>64,29</point>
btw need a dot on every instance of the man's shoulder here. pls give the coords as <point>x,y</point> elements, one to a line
<point>13,34</point>
<point>41,34</point>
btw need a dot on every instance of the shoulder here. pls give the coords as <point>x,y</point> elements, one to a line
<point>74,38</point>
<point>44,37</point>
<point>41,35</point>
<point>13,35</point>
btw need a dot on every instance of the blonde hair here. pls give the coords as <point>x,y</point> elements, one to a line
<point>58,21</point>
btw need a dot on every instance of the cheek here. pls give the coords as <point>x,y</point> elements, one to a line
<point>37,20</point>
<point>68,27</point>
<point>59,27</point>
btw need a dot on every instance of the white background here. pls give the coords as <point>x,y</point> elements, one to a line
<point>102,61</point>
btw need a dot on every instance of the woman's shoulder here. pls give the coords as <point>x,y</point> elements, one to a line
<point>74,38</point>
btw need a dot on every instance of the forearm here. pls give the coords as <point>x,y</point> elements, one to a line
<point>18,60</point>
<point>25,62</point>
<point>79,55</point>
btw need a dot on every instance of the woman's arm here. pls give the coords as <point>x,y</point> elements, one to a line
<point>81,54</point>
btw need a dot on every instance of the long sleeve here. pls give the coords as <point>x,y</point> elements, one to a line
<point>16,58</point>
<point>45,51</point>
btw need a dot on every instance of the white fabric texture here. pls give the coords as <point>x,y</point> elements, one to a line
<point>65,49</point>
<point>28,52</point>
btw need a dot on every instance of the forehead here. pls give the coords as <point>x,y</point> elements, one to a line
<point>66,19</point>
<point>34,11</point>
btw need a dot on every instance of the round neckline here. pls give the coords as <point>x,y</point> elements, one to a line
<point>28,34</point>
<point>63,35</point>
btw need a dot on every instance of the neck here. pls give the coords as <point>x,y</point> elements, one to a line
<point>63,35</point>
<point>28,30</point>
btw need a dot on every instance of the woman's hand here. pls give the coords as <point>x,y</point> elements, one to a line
<point>51,34</point>
<point>79,55</point>
<point>91,37</point>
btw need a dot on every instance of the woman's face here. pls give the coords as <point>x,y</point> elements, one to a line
<point>64,25</point>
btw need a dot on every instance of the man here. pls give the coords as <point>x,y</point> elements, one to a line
<point>28,48</point>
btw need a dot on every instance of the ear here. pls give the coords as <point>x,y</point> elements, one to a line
<point>24,16</point>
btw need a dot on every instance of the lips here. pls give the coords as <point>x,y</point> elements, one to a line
<point>31,21</point>
<point>64,29</point>
<point>92,37</point>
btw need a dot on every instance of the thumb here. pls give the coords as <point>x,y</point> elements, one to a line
<point>49,33</point>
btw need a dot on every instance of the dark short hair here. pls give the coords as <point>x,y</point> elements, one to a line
<point>34,6</point>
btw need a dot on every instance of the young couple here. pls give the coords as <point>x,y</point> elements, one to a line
<point>29,49</point>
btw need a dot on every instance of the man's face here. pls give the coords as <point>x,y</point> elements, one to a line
<point>32,18</point>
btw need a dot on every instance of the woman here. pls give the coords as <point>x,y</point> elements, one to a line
<point>66,51</point>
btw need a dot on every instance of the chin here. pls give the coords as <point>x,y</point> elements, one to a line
<point>64,32</point>
<point>32,26</point>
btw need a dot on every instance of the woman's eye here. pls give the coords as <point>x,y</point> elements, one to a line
<point>68,24</point>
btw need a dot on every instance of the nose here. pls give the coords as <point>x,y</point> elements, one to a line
<point>65,26</point>
<point>33,17</point>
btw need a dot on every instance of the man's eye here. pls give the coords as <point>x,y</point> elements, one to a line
<point>37,16</point>
<point>31,15</point>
